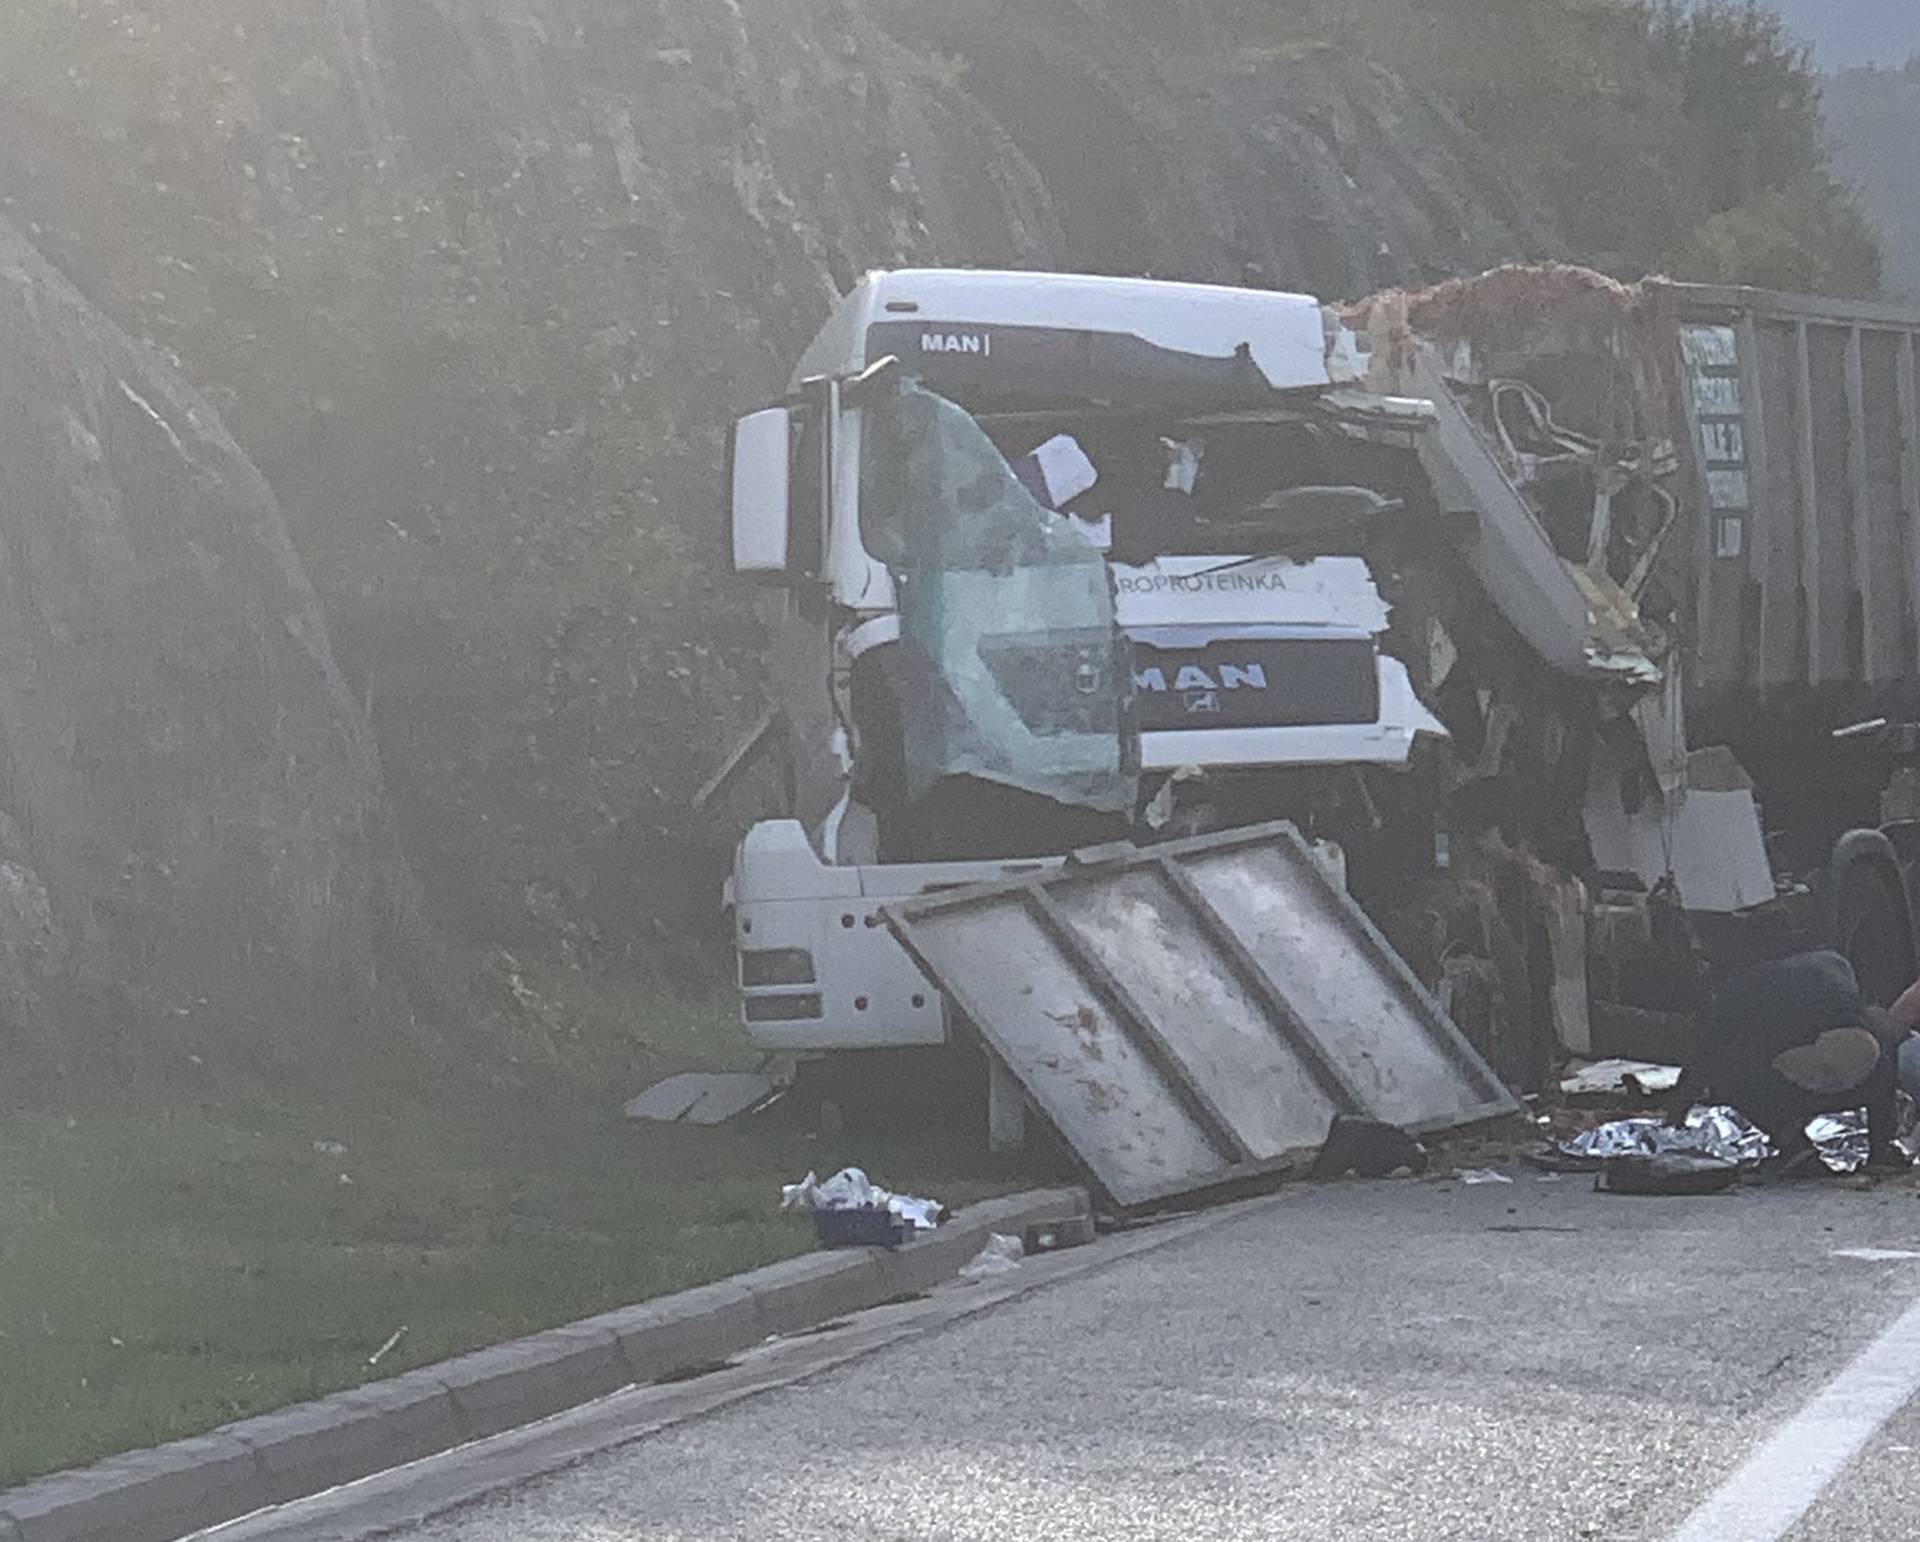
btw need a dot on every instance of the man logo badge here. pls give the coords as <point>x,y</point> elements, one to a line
<point>980,343</point>
<point>1193,680</point>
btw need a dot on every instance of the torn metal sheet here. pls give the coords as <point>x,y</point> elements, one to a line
<point>1576,624</point>
<point>1707,837</point>
<point>701,1097</point>
<point>1191,1013</point>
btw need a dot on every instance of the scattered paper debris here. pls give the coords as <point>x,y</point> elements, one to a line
<point>331,1148</point>
<point>1000,1255</point>
<point>1475,1175</point>
<point>1635,1078</point>
<point>851,1189</point>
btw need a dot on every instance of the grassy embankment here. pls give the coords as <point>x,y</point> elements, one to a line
<point>169,1262</point>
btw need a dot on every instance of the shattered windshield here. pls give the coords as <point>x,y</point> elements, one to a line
<point>1011,668</point>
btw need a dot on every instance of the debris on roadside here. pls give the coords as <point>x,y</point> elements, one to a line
<point>1841,1140</point>
<point>1473,1177</point>
<point>1050,1236</point>
<point>392,1343</point>
<point>1162,1093</point>
<point>1670,1172</point>
<point>850,1210</point>
<point>998,1255</point>
<point>1641,1079</point>
<point>1721,1133</point>
<point>1367,1147</point>
<point>704,1097</point>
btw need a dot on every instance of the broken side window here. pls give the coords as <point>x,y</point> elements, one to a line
<point>1011,667</point>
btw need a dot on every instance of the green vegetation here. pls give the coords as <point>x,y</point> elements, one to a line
<point>173,1260</point>
<point>1677,137</point>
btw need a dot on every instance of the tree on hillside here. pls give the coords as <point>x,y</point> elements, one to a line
<point>1809,236</point>
<point>1775,215</point>
<point>1677,134</point>
<point>1749,92</point>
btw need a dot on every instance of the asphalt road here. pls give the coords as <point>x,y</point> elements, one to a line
<point>1393,1360</point>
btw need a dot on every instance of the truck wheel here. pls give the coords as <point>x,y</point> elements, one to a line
<point>1873,931</point>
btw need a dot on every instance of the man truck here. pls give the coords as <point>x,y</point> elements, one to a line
<point>1052,560</point>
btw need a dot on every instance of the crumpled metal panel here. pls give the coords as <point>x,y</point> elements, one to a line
<point>1578,624</point>
<point>1195,1012</point>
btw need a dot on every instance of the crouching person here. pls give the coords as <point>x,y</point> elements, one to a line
<point>1790,1038</point>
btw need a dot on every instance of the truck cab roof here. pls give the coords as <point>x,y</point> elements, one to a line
<point>940,313</point>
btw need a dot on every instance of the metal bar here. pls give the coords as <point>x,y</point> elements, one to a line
<point>1810,575</point>
<point>771,723</point>
<point>1861,499</point>
<point>1705,633</point>
<point>1791,307</point>
<point>1119,1000</point>
<point>1909,492</point>
<point>1306,1043</point>
<point>1761,534</point>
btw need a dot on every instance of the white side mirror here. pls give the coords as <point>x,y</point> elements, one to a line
<point>761,492</point>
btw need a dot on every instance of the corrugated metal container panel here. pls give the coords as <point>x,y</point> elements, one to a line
<point>1806,471</point>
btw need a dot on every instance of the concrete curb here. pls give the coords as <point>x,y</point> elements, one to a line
<point>167,1492</point>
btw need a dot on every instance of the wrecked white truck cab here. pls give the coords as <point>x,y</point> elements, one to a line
<point>1051,560</point>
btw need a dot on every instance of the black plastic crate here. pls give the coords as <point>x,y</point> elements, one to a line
<point>860,1228</point>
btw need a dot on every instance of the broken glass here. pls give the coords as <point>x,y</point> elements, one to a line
<point>1011,667</point>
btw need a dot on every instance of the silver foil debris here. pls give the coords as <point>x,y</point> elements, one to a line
<point>1716,1132</point>
<point>1841,1139</point>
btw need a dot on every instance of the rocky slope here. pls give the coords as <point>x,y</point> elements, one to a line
<point>478,285</point>
<point>193,830</point>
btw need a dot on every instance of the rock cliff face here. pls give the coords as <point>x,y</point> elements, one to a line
<point>192,825</point>
<point>478,283</point>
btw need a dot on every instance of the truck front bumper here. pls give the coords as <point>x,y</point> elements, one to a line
<point>817,968</point>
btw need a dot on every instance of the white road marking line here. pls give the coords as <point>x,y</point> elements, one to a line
<point>1780,1481</point>
<point>1877,1255</point>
